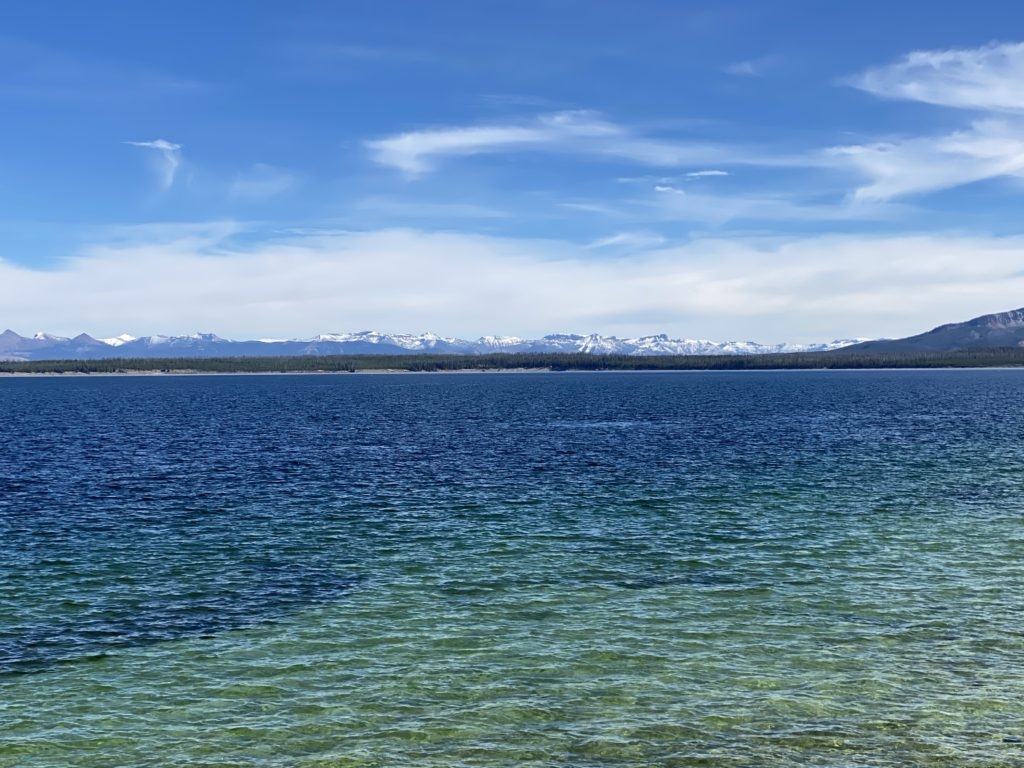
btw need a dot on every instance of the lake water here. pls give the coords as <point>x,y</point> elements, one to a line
<point>557,570</point>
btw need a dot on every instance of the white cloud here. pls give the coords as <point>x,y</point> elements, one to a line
<point>629,241</point>
<point>669,203</point>
<point>987,78</point>
<point>169,160</point>
<point>578,132</point>
<point>416,152</point>
<point>803,289</point>
<point>758,67</point>
<point>987,149</point>
<point>669,180</point>
<point>742,69</point>
<point>261,182</point>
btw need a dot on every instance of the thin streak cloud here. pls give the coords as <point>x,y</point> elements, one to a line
<point>169,160</point>
<point>579,132</point>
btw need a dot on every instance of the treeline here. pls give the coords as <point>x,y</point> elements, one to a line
<point>970,358</point>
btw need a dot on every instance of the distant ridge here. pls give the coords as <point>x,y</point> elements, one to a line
<point>1002,329</point>
<point>44,346</point>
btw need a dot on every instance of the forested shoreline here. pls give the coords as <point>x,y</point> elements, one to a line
<point>970,358</point>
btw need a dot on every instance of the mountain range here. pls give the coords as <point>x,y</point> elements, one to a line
<point>44,346</point>
<point>1003,329</point>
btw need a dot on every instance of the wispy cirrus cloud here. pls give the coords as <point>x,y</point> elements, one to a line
<point>630,241</point>
<point>757,67</point>
<point>984,79</point>
<point>668,201</point>
<point>593,208</point>
<point>581,132</point>
<point>417,152</point>
<point>987,149</point>
<point>168,162</point>
<point>673,203</point>
<point>680,178</point>
<point>987,78</point>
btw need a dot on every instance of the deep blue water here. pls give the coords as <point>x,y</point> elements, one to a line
<point>779,568</point>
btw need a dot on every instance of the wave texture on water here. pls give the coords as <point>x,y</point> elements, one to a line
<point>772,569</point>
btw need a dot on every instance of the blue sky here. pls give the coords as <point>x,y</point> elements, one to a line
<point>793,170</point>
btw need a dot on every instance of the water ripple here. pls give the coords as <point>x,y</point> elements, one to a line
<point>579,571</point>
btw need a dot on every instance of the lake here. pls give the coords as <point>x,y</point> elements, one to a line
<point>815,568</point>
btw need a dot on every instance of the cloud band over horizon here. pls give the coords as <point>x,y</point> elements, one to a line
<point>756,289</point>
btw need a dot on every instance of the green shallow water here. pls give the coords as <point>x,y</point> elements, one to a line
<point>562,571</point>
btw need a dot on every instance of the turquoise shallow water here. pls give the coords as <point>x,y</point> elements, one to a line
<point>813,568</point>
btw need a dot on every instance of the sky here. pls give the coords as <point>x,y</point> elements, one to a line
<point>791,171</point>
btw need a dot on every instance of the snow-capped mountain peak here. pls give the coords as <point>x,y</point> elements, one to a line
<point>47,346</point>
<point>117,341</point>
<point>499,343</point>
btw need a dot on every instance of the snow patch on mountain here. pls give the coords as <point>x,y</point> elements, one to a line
<point>44,346</point>
<point>417,342</point>
<point>117,341</point>
<point>499,343</point>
